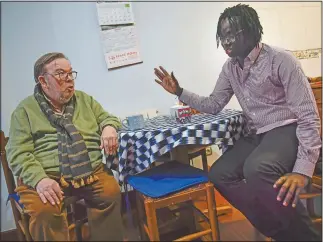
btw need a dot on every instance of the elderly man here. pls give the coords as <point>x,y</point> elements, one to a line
<point>282,143</point>
<point>55,148</point>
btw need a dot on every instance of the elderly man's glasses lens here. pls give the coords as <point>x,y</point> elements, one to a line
<point>64,75</point>
<point>230,38</point>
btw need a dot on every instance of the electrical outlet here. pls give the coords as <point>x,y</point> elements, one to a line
<point>209,150</point>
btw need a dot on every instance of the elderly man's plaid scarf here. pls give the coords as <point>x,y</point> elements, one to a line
<point>74,160</point>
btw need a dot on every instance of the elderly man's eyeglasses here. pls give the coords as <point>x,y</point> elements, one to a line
<point>63,76</point>
<point>230,37</point>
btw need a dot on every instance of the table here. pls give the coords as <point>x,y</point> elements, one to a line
<point>139,149</point>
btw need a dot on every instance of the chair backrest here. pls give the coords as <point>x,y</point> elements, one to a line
<point>11,185</point>
<point>10,180</point>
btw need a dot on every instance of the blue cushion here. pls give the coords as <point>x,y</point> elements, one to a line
<point>16,197</point>
<point>167,178</point>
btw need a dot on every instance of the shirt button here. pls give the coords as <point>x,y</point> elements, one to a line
<point>253,114</point>
<point>248,99</point>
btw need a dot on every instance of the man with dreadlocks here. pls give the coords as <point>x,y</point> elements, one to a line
<point>55,148</point>
<point>264,172</point>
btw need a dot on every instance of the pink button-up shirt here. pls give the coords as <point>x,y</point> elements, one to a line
<point>273,91</point>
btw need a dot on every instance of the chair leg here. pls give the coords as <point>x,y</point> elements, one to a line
<point>25,223</point>
<point>152,221</point>
<point>20,233</point>
<point>310,207</point>
<point>78,230</point>
<point>139,215</point>
<point>188,216</point>
<point>212,213</point>
<point>204,161</point>
<point>18,216</point>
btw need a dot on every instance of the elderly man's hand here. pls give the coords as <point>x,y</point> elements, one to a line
<point>49,190</point>
<point>109,140</point>
<point>291,185</point>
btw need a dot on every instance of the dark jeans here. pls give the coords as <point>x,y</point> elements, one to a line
<point>245,175</point>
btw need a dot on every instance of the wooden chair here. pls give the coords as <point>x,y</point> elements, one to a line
<point>155,209</point>
<point>315,188</point>
<point>76,211</point>
<point>314,191</point>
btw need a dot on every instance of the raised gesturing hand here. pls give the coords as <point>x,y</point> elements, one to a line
<point>168,82</point>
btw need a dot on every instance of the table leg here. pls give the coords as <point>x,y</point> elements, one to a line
<point>180,154</point>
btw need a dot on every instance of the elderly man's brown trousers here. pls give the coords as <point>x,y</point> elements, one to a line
<point>49,223</point>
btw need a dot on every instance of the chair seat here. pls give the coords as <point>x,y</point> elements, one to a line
<point>167,178</point>
<point>183,191</point>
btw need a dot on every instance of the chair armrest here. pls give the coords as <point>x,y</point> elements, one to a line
<point>317,181</point>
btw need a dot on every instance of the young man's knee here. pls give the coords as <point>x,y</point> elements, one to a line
<point>216,175</point>
<point>258,171</point>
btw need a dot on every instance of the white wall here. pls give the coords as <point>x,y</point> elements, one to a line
<point>179,36</point>
<point>21,44</point>
<point>293,26</point>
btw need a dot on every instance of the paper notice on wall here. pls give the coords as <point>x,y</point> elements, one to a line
<point>115,13</point>
<point>121,46</point>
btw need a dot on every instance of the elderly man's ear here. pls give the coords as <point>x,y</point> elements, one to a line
<point>43,82</point>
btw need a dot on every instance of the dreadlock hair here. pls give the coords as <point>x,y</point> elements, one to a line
<point>244,16</point>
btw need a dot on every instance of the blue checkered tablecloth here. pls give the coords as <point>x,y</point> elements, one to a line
<point>138,149</point>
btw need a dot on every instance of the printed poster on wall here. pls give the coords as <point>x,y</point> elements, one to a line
<point>121,46</point>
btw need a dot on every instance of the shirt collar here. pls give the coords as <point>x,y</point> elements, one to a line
<point>55,110</point>
<point>252,57</point>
